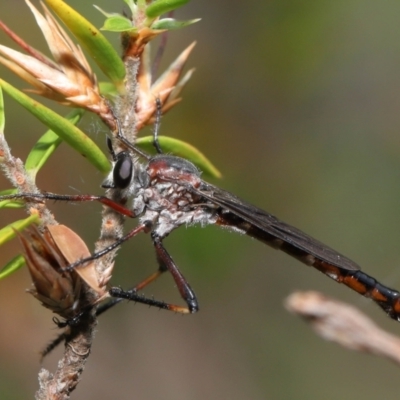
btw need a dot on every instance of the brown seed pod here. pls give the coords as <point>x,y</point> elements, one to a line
<point>47,256</point>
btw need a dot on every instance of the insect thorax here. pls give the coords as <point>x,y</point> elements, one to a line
<point>168,205</point>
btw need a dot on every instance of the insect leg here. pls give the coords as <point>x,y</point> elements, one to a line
<point>157,124</point>
<point>111,303</point>
<point>102,309</point>
<point>101,253</point>
<point>72,198</point>
<point>166,263</point>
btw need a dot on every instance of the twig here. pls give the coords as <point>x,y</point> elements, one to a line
<point>343,324</point>
<point>14,170</point>
<point>70,367</point>
<point>78,343</point>
<point>125,118</point>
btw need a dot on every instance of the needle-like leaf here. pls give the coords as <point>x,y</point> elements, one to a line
<point>181,149</point>
<point>12,266</point>
<point>63,128</point>
<point>8,232</point>
<point>46,146</point>
<point>100,49</point>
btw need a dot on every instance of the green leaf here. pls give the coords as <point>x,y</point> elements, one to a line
<point>105,13</point>
<point>108,89</point>
<point>10,203</point>
<point>170,23</point>
<point>99,48</point>
<point>2,116</point>
<point>8,191</point>
<point>63,128</point>
<point>13,265</point>
<point>40,153</point>
<point>181,149</point>
<point>132,6</point>
<point>159,7</point>
<point>141,5</point>
<point>117,24</point>
<point>47,144</point>
<point>7,233</point>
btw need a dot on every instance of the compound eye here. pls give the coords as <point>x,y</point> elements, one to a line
<point>123,170</point>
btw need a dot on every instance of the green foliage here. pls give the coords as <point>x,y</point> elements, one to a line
<point>47,145</point>
<point>100,49</point>
<point>10,203</point>
<point>7,233</point>
<point>13,265</point>
<point>181,149</point>
<point>170,24</point>
<point>159,7</point>
<point>120,23</point>
<point>62,127</point>
<point>117,23</point>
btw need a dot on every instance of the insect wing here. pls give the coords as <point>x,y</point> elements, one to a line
<point>269,224</point>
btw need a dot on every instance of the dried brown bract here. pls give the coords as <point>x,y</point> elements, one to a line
<point>47,256</point>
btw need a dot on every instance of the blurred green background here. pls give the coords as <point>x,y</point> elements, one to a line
<point>298,105</point>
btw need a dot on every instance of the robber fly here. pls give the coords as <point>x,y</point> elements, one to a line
<point>167,192</point>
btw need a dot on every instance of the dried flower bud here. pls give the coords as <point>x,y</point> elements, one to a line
<point>68,79</point>
<point>47,255</point>
<point>167,87</point>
